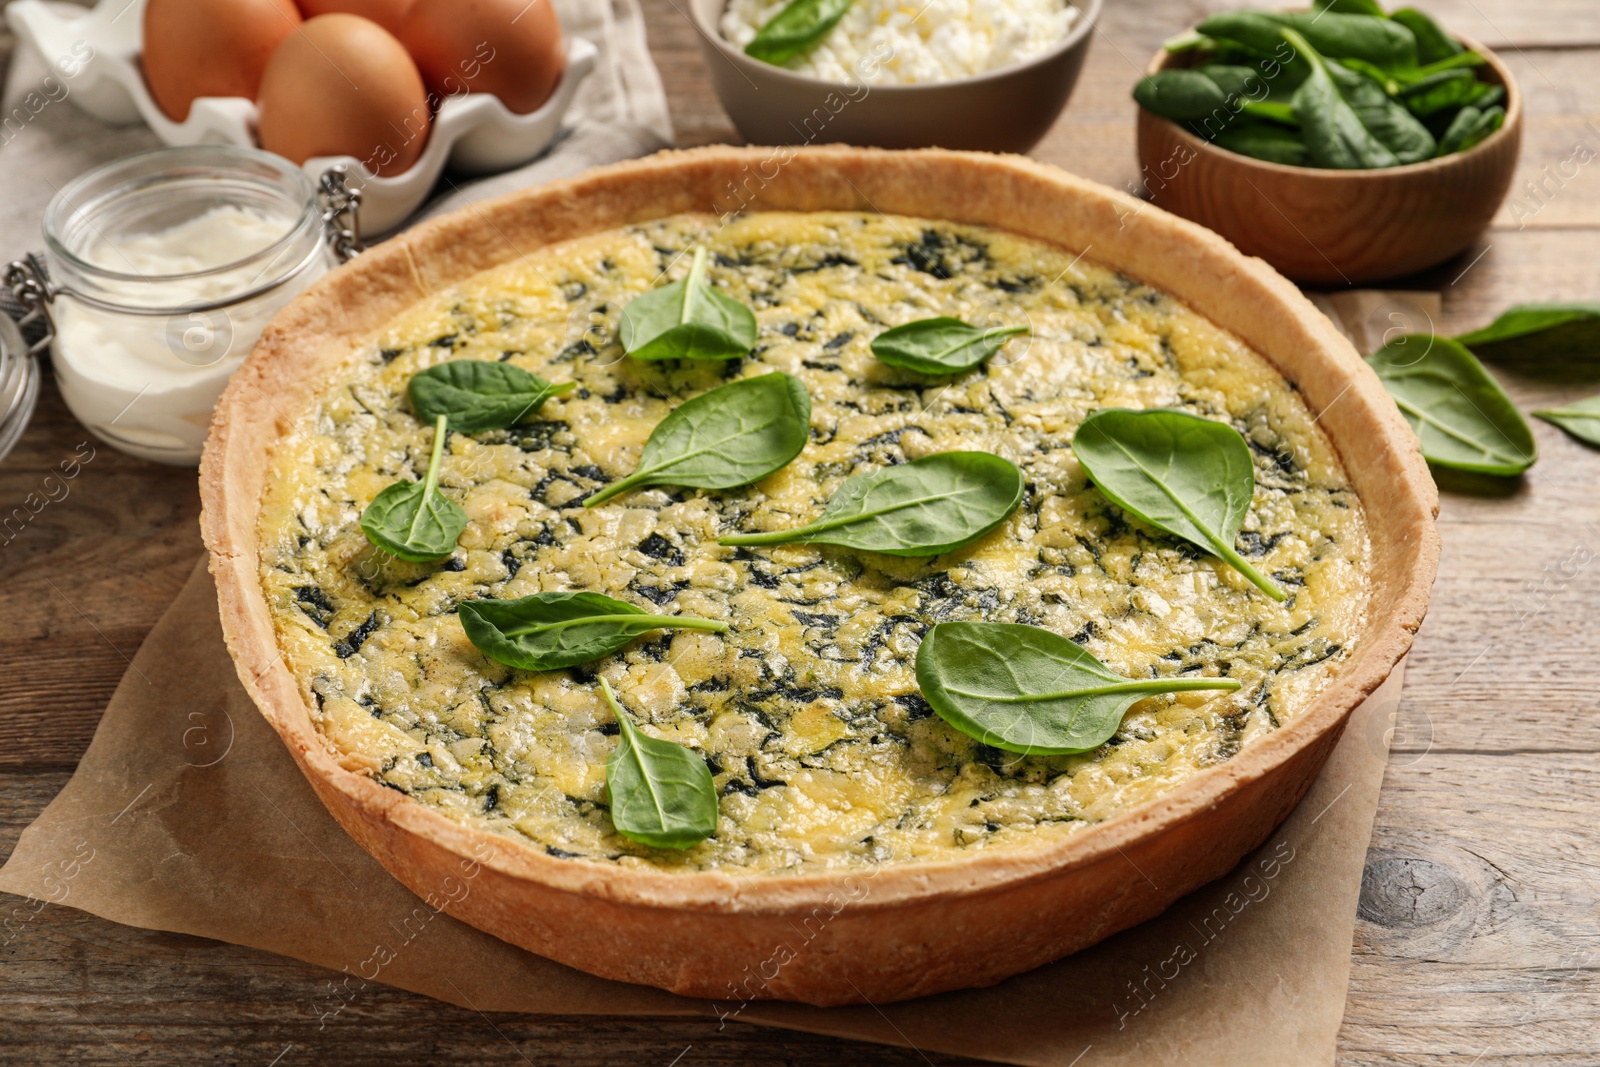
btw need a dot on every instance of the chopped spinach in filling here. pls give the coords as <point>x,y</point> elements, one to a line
<point>823,753</point>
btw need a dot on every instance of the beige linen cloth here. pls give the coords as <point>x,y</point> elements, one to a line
<point>187,814</point>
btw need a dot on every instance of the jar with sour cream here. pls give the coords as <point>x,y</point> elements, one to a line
<point>163,269</point>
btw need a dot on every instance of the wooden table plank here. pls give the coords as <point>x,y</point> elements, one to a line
<point>1478,945</point>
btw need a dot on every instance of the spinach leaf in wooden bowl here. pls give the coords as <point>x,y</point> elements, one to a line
<point>1356,87</point>
<point>1336,129</point>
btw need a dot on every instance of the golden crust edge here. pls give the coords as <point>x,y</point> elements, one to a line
<point>314,335</point>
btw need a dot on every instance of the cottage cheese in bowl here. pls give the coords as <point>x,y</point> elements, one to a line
<point>894,42</point>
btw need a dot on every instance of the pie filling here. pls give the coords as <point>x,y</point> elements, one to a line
<point>807,711</point>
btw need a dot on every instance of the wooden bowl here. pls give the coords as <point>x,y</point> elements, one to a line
<point>909,929</point>
<point>1335,227</point>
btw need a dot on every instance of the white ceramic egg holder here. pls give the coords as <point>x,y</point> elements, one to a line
<point>474,133</point>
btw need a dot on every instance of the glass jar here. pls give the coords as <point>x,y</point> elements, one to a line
<point>163,269</point>
<point>19,384</point>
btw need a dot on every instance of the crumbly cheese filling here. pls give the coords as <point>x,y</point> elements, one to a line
<point>893,42</point>
<point>807,711</point>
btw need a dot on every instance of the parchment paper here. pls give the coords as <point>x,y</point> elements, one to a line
<point>187,814</point>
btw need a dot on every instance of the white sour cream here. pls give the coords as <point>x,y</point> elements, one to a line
<point>147,383</point>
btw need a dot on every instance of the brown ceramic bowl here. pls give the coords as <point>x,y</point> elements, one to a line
<point>1007,110</point>
<point>1335,227</point>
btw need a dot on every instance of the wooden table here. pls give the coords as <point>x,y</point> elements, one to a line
<point>1479,935</point>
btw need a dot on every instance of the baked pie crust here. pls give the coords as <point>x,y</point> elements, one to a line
<point>904,929</point>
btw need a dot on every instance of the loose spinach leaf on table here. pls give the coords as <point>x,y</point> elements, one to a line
<point>687,319</point>
<point>661,794</point>
<point>941,345</point>
<point>730,436</point>
<point>413,520</point>
<point>1460,414</point>
<point>478,395</point>
<point>922,508</point>
<point>1265,141</point>
<point>549,631</point>
<point>1539,331</point>
<point>1433,44</point>
<point>798,28</point>
<point>1190,476</point>
<point>1379,41</point>
<point>1469,128</point>
<point>1026,689</point>
<point>1581,419</point>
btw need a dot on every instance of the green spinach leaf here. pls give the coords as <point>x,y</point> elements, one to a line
<point>1025,689</point>
<point>1395,128</point>
<point>661,794</point>
<point>413,520</point>
<point>1351,7</point>
<point>1433,44</point>
<point>1461,415</point>
<point>1334,134</point>
<point>941,345</point>
<point>1459,60</point>
<point>1280,114</point>
<point>1440,92</point>
<point>1189,41</point>
<point>1380,41</point>
<point>1470,128</point>
<point>1487,96</point>
<point>1180,95</point>
<point>922,508</point>
<point>1388,80</point>
<point>730,436</point>
<point>549,631</point>
<point>1261,140</point>
<point>1581,419</point>
<point>1233,80</point>
<point>798,28</point>
<point>1539,331</point>
<point>478,395</point>
<point>687,319</point>
<point>1190,476</point>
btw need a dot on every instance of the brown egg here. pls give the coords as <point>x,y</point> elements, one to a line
<point>507,48</point>
<point>390,14</point>
<point>195,48</point>
<point>344,86</point>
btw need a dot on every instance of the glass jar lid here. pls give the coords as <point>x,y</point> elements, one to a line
<point>94,226</point>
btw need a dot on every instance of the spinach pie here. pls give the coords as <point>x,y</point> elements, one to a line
<point>714,549</point>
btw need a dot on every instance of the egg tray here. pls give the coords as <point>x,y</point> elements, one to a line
<point>472,133</point>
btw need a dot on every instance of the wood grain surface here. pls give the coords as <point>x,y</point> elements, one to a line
<point>1478,943</point>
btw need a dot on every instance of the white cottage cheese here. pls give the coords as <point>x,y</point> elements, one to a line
<point>906,42</point>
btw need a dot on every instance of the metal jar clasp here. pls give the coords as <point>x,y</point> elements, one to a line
<point>29,281</point>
